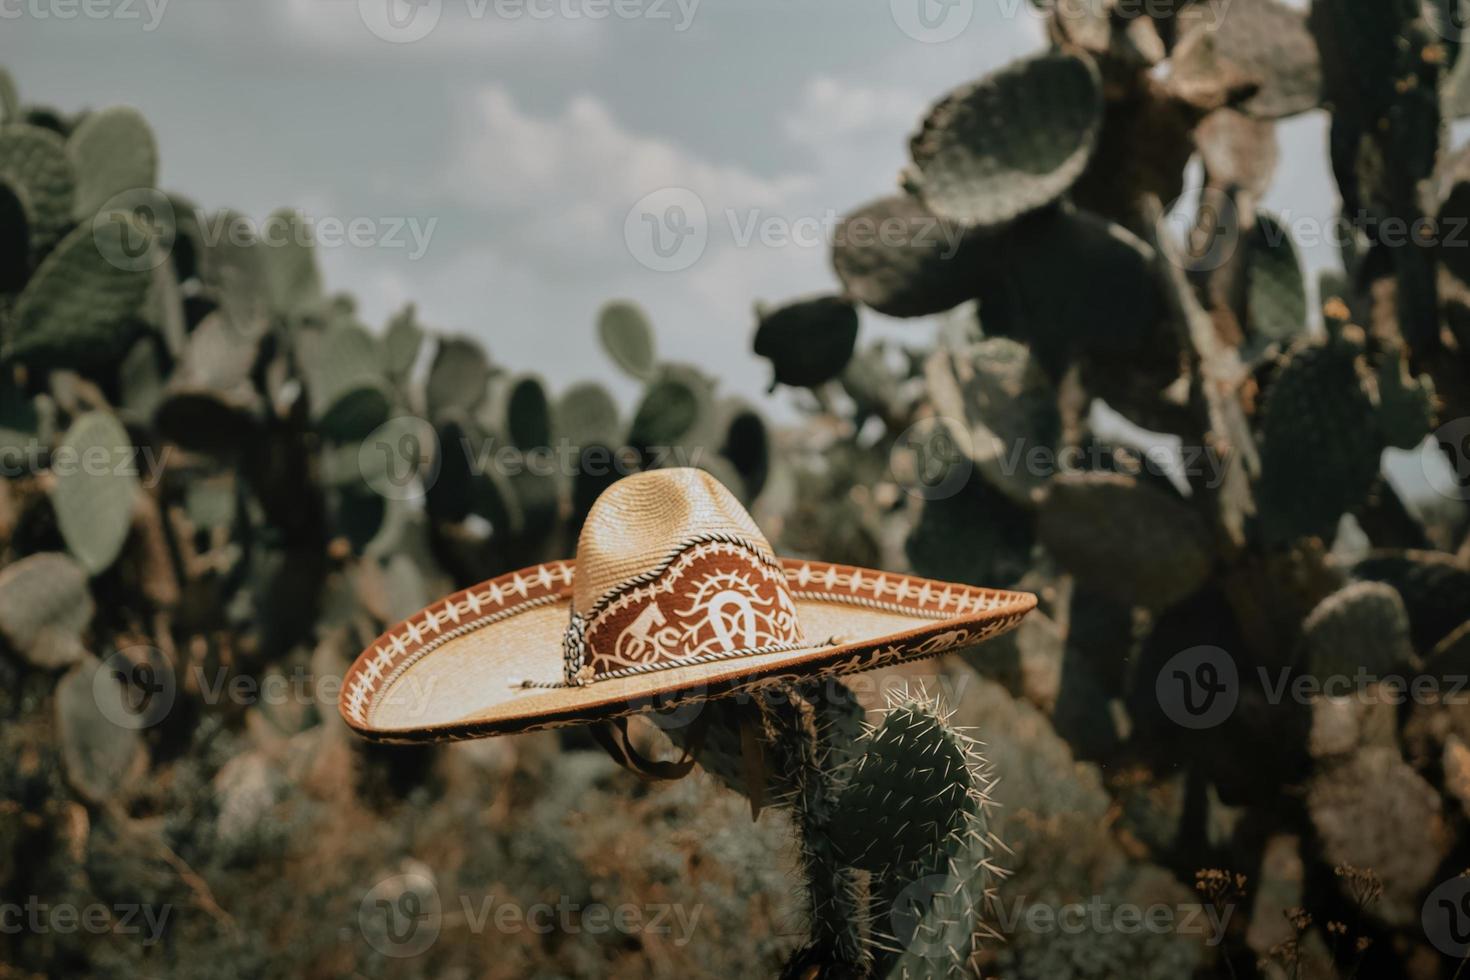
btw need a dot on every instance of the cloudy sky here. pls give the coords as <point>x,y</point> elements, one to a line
<point>515,158</point>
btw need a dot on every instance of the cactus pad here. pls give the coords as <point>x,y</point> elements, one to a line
<point>912,791</point>
<point>676,410</point>
<point>627,337</point>
<point>15,237</point>
<point>1008,406</point>
<point>111,151</point>
<point>1126,539</point>
<point>1277,301</point>
<point>586,415</point>
<point>94,489</point>
<point>895,257</point>
<point>1405,404</point>
<point>457,377</point>
<point>34,159</point>
<point>100,754</point>
<point>345,378</point>
<point>1362,626</point>
<point>292,280</point>
<point>808,343</point>
<point>1010,143</point>
<point>44,607</point>
<point>1268,44</point>
<point>1319,444</point>
<point>1373,811</point>
<point>77,307</point>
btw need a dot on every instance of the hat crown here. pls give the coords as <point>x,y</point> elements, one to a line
<point>639,521</point>
<point>671,569</point>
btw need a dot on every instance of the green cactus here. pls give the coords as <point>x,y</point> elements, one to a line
<point>895,257</point>
<point>1277,300</point>
<point>808,343</point>
<point>1010,143</point>
<point>94,489</point>
<point>15,237</point>
<point>44,608</point>
<point>1361,627</point>
<point>79,306</point>
<point>101,751</point>
<point>1126,538</point>
<point>292,279</point>
<point>111,152</point>
<point>1319,444</point>
<point>627,337</point>
<point>34,160</point>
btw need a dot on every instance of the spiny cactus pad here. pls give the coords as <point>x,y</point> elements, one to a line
<point>808,343</point>
<point>95,484</point>
<point>34,159</point>
<point>895,257</point>
<point>44,607</point>
<point>623,329</point>
<point>911,792</point>
<point>1010,143</point>
<point>1319,444</point>
<point>77,306</point>
<point>111,151</point>
<point>1126,538</point>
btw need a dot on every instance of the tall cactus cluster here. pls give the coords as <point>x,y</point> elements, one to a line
<point>1267,553</point>
<point>219,483</point>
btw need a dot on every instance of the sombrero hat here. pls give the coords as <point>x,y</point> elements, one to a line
<point>674,596</point>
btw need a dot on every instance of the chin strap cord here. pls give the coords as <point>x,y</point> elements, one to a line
<point>613,737</point>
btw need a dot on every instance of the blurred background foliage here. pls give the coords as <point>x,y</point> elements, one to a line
<point>220,484</point>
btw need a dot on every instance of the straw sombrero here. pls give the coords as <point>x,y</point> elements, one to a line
<point>674,596</point>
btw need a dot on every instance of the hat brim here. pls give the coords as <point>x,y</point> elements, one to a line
<point>458,669</point>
